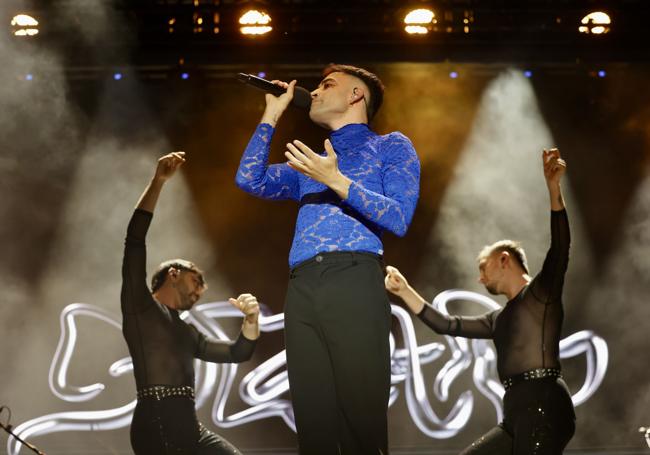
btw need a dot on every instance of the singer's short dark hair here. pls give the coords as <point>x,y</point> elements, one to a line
<point>371,80</point>
<point>160,275</point>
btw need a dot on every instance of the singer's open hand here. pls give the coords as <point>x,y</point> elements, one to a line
<point>323,169</point>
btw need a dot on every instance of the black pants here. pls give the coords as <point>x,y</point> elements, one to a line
<point>538,419</point>
<point>337,324</point>
<point>170,426</point>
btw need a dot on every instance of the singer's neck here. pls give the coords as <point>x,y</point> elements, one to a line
<point>339,121</point>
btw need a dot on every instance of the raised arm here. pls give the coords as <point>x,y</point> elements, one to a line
<point>241,349</point>
<point>392,210</point>
<point>463,326</point>
<point>255,175</point>
<point>135,294</point>
<point>547,285</point>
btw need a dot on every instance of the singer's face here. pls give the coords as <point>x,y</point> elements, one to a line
<point>331,98</point>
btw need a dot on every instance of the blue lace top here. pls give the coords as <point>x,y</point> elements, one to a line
<point>385,171</point>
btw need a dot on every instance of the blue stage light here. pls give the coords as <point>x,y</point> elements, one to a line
<point>453,75</point>
<point>117,76</point>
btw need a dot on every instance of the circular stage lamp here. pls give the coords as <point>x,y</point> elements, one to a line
<point>595,23</point>
<point>419,21</point>
<point>24,25</point>
<point>254,22</point>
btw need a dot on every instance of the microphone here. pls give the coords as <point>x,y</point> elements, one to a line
<point>301,96</point>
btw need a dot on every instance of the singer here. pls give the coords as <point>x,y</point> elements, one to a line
<point>337,313</point>
<point>163,347</point>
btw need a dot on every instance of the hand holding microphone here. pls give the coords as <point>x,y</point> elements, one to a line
<point>301,96</point>
<point>279,96</point>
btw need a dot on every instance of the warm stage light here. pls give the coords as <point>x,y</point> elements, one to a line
<point>419,21</point>
<point>595,23</point>
<point>24,25</point>
<point>255,22</point>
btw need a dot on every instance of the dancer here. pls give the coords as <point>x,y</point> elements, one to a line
<point>337,314</point>
<point>538,412</point>
<point>163,347</point>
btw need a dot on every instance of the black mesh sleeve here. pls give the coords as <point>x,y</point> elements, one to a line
<point>224,351</point>
<point>463,326</point>
<point>135,294</point>
<point>547,285</point>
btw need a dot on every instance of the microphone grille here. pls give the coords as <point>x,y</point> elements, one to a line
<point>301,98</point>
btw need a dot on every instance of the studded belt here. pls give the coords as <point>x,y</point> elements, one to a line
<point>537,373</point>
<point>159,392</point>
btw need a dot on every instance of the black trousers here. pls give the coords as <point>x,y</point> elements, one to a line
<point>538,420</point>
<point>170,426</point>
<point>337,324</point>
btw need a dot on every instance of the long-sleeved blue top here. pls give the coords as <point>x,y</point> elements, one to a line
<point>385,172</point>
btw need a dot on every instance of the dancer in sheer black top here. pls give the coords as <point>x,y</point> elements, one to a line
<point>163,347</point>
<point>538,417</point>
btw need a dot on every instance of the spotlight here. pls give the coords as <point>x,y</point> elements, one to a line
<point>595,23</point>
<point>117,76</point>
<point>29,77</point>
<point>453,75</point>
<point>185,76</point>
<point>24,25</point>
<point>254,22</point>
<point>528,74</point>
<point>419,21</point>
<point>602,73</point>
<point>261,74</point>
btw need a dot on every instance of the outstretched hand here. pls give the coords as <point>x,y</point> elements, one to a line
<point>247,304</point>
<point>395,281</point>
<point>168,165</point>
<point>554,166</point>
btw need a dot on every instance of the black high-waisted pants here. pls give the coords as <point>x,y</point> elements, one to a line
<point>337,325</point>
